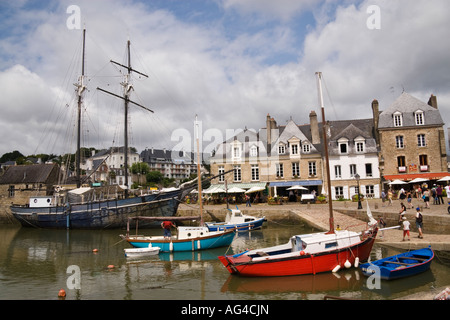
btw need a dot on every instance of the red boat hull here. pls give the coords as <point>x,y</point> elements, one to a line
<point>299,264</point>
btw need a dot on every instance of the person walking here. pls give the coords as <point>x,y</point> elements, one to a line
<point>419,222</point>
<point>439,195</point>
<point>426,198</point>
<point>406,226</point>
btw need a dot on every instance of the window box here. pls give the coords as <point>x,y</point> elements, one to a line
<point>401,169</point>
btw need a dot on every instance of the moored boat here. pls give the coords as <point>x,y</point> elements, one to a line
<point>401,265</point>
<point>235,219</point>
<point>186,239</point>
<point>141,252</point>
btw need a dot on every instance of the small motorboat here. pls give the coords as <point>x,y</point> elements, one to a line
<point>236,220</point>
<point>401,265</point>
<point>141,252</point>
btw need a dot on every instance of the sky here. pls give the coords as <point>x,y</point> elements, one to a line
<point>228,62</point>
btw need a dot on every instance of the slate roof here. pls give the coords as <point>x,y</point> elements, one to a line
<point>408,105</point>
<point>29,174</point>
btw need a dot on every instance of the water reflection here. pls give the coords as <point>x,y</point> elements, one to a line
<point>34,264</point>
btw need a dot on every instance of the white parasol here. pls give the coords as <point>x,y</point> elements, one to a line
<point>297,187</point>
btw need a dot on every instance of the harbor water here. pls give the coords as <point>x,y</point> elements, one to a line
<point>37,264</point>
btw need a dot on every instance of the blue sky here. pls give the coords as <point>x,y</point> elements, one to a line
<point>230,61</point>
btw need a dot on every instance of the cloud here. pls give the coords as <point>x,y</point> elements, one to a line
<point>231,64</point>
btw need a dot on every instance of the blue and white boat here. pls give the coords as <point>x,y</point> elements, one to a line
<point>186,239</point>
<point>236,220</point>
<point>401,265</point>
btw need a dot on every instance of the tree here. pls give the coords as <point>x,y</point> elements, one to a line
<point>11,156</point>
<point>140,167</point>
<point>154,176</point>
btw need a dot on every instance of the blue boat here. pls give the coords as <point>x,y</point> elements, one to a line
<point>400,266</point>
<point>187,239</point>
<point>236,220</point>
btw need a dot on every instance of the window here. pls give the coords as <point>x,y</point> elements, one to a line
<point>295,169</point>
<point>360,147</point>
<point>343,145</point>
<point>352,170</point>
<point>337,172</point>
<point>306,148</point>
<point>294,149</point>
<point>253,151</point>
<point>255,172</point>
<point>398,119</point>
<point>399,142</point>
<point>312,168</point>
<point>368,170</point>
<point>237,173</point>
<point>418,115</point>
<point>281,149</point>
<point>280,173</point>
<point>236,152</point>
<point>401,162</point>
<point>370,191</point>
<point>423,160</point>
<point>343,148</point>
<point>221,172</point>
<point>421,140</point>
<point>339,192</point>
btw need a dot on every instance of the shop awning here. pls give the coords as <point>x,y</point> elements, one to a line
<point>294,183</point>
<point>239,185</point>
<point>408,177</point>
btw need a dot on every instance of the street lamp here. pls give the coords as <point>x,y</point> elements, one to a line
<point>359,195</point>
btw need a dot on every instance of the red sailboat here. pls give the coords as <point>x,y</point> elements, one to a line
<point>308,253</point>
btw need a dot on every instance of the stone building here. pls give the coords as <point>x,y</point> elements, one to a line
<point>18,183</point>
<point>411,138</point>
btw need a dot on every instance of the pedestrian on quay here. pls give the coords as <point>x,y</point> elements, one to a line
<point>383,197</point>
<point>390,197</point>
<point>419,222</point>
<point>439,195</point>
<point>426,198</point>
<point>406,226</point>
<point>409,199</point>
<point>382,225</point>
<point>402,212</point>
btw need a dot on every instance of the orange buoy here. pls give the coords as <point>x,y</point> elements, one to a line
<point>111,266</point>
<point>95,250</point>
<point>302,253</point>
<point>62,293</point>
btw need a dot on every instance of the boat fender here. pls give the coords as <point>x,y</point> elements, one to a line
<point>347,264</point>
<point>336,269</point>
<point>302,253</point>
<point>171,246</point>
<point>356,262</point>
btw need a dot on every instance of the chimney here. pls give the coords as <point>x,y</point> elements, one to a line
<point>314,127</point>
<point>376,118</point>
<point>271,124</point>
<point>433,101</point>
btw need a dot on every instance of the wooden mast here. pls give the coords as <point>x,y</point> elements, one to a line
<point>199,175</point>
<point>330,203</point>
<point>126,97</point>
<point>80,89</point>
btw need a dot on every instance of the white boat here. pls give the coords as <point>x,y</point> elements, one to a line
<point>141,252</point>
<point>235,219</point>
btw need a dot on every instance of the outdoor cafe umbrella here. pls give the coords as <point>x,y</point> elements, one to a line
<point>236,190</point>
<point>447,178</point>
<point>297,187</point>
<point>255,189</point>
<point>397,182</point>
<point>418,180</point>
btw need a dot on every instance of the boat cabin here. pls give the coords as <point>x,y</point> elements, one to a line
<point>191,232</point>
<point>319,242</point>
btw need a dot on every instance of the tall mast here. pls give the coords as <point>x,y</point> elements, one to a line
<point>126,97</point>
<point>80,89</point>
<point>199,179</point>
<point>330,204</point>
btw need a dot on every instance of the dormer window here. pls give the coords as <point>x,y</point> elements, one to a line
<point>281,148</point>
<point>343,146</point>
<point>306,147</point>
<point>398,119</point>
<point>253,151</point>
<point>360,144</point>
<point>236,149</point>
<point>418,116</point>
<point>294,148</point>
